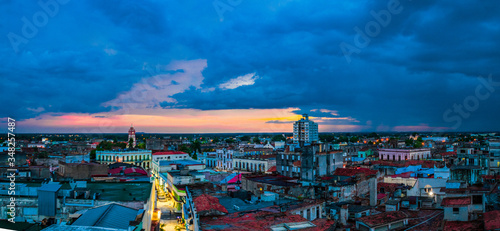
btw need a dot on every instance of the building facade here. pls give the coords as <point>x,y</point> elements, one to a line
<point>305,131</point>
<point>254,163</point>
<point>224,159</point>
<point>140,158</point>
<point>170,155</point>
<point>404,154</point>
<point>208,158</point>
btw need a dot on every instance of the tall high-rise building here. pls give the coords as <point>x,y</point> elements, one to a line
<point>305,131</point>
<point>131,135</point>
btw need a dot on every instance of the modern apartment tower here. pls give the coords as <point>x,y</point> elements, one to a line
<point>305,131</point>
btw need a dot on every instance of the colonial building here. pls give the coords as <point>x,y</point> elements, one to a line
<point>170,155</point>
<point>404,154</point>
<point>308,162</point>
<point>224,158</point>
<point>259,163</point>
<point>136,157</point>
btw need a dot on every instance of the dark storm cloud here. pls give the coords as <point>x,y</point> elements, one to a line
<point>423,62</point>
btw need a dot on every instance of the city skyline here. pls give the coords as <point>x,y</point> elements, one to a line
<point>96,67</point>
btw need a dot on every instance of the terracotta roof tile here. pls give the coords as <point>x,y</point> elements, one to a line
<point>463,226</point>
<point>383,218</point>
<point>491,221</point>
<point>451,201</point>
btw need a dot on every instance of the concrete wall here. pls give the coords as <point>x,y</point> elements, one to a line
<point>399,180</point>
<point>311,212</point>
<point>82,171</point>
<point>463,214</point>
<point>48,161</point>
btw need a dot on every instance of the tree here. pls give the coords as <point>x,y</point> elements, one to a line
<point>141,145</point>
<point>195,156</point>
<point>256,140</point>
<point>229,141</point>
<point>131,143</point>
<point>215,140</point>
<point>196,146</point>
<point>92,154</point>
<point>245,138</point>
<point>343,139</point>
<point>326,137</point>
<point>354,139</point>
<point>278,138</point>
<point>184,148</point>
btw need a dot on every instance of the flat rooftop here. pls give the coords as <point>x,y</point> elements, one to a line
<point>229,202</point>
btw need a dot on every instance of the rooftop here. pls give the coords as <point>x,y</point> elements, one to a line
<point>403,175</point>
<point>257,157</point>
<point>181,162</point>
<point>169,153</point>
<point>388,187</point>
<point>448,154</point>
<point>278,180</point>
<point>463,226</point>
<point>108,216</point>
<point>272,169</point>
<point>121,191</point>
<point>259,220</point>
<point>207,205</point>
<point>383,218</point>
<point>491,221</point>
<point>451,201</point>
<point>424,163</point>
<point>358,208</point>
<point>354,171</point>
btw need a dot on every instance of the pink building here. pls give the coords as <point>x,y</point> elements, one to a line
<point>404,154</point>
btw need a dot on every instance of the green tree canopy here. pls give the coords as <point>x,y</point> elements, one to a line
<point>278,138</point>
<point>245,138</point>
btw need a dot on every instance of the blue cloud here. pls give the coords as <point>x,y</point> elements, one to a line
<point>421,64</point>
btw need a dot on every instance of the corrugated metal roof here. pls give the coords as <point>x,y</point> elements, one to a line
<point>108,216</point>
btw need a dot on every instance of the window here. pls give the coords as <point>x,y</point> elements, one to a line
<point>293,157</point>
<point>477,199</point>
<point>298,158</point>
<point>456,210</point>
<point>282,168</point>
<point>287,168</point>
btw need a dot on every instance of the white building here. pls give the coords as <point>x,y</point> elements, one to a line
<point>305,130</point>
<point>224,159</point>
<point>170,155</point>
<point>404,154</point>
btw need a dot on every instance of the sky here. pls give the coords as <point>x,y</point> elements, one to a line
<point>249,66</point>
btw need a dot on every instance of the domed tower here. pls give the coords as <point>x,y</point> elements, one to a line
<point>131,135</point>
